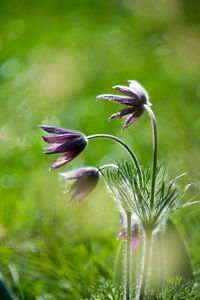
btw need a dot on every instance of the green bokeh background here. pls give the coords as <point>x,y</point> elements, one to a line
<point>55,58</point>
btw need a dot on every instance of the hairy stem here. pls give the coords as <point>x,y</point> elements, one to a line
<point>146,258</point>
<point>127,295</point>
<point>128,149</point>
<point>107,166</point>
<point>155,150</point>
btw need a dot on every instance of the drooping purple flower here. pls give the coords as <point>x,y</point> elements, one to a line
<point>135,98</point>
<point>67,141</point>
<point>85,181</point>
<point>134,230</point>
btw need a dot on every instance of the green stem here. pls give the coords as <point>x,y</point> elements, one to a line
<point>128,149</point>
<point>155,150</point>
<point>161,258</point>
<point>146,253</point>
<point>128,258</point>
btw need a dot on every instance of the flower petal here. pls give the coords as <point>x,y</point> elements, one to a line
<point>126,90</point>
<point>120,99</point>
<point>122,113</point>
<point>137,88</point>
<point>122,234</point>
<point>61,161</point>
<point>79,143</point>
<point>51,147</point>
<point>57,130</point>
<point>61,138</point>
<point>134,242</point>
<point>129,121</point>
<point>65,159</point>
<point>87,184</point>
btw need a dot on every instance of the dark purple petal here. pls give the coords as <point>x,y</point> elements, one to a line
<point>122,113</point>
<point>61,138</point>
<point>127,91</point>
<point>121,99</point>
<point>79,143</point>
<point>56,130</point>
<point>129,121</point>
<point>138,112</point>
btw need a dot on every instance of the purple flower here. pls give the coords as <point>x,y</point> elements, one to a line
<point>135,98</point>
<point>86,180</point>
<point>134,230</point>
<point>69,142</point>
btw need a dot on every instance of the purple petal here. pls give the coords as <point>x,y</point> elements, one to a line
<point>87,184</point>
<point>57,130</point>
<point>79,143</point>
<point>61,138</point>
<point>129,121</point>
<point>79,195</point>
<point>121,99</point>
<point>75,185</point>
<point>134,242</point>
<point>122,113</point>
<point>52,147</point>
<point>122,234</point>
<point>64,159</point>
<point>61,161</point>
<point>126,90</point>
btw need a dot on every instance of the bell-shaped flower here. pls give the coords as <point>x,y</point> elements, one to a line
<point>134,230</point>
<point>135,98</point>
<point>66,141</point>
<point>85,181</point>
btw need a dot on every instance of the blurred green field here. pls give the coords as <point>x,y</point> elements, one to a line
<point>55,58</point>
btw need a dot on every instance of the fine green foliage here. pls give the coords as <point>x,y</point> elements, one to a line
<point>106,291</point>
<point>125,188</point>
<point>177,289</point>
<point>174,289</point>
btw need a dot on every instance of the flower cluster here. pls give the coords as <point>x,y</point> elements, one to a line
<point>144,198</point>
<point>71,143</point>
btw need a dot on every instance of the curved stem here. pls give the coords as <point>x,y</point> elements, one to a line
<point>128,258</point>
<point>128,149</point>
<point>155,150</point>
<point>107,166</point>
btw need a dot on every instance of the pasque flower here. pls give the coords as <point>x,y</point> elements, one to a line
<point>135,98</point>
<point>85,181</point>
<point>67,141</point>
<point>134,230</point>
